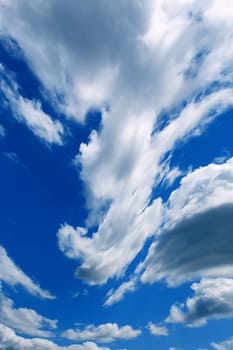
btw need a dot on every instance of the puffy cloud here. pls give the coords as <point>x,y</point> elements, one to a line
<point>13,275</point>
<point>24,320</point>
<point>132,74</point>
<point>29,111</point>
<point>10,341</point>
<point>205,188</point>
<point>157,330</point>
<point>213,299</point>
<point>196,237</point>
<point>104,333</point>
<point>225,345</point>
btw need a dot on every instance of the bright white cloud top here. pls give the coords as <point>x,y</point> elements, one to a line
<point>160,72</point>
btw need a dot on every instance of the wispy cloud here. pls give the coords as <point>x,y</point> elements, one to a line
<point>24,320</point>
<point>30,112</point>
<point>11,274</point>
<point>114,296</point>
<point>2,132</point>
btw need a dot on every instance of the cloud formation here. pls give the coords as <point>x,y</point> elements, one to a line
<point>10,341</point>
<point>213,299</point>
<point>157,330</point>
<point>197,213</point>
<point>105,333</point>
<point>29,112</point>
<point>114,296</point>
<point>127,152</point>
<point>132,75</point>
<point>23,320</point>
<point>225,345</point>
<point>11,274</point>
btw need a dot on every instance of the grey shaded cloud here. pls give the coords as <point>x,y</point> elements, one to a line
<point>196,247</point>
<point>213,299</point>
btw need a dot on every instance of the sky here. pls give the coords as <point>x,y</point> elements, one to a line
<point>116,175</point>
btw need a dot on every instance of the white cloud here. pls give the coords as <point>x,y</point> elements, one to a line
<point>39,122</point>
<point>13,275</point>
<point>114,296</point>
<point>213,299</point>
<point>163,55</point>
<point>157,330</point>
<point>105,333</point>
<point>10,341</point>
<point>225,345</point>
<point>108,254</point>
<point>197,213</point>
<point>30,112</point>
<point>24,320</point>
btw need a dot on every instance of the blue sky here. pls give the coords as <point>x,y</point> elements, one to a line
<point>116,163</point>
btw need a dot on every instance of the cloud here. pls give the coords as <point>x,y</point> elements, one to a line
<point>196,234</point>
<point>105,333</point>
<point>132,75</point>
<point>114,296</point>
<point>2,132</point>
<point>127,155</point>
<point>30,112</point>
<point>24,320</point>
<point>107,255</point>
<point>213,299</point>
<point>225,345</point>
<point>157,330</point>
<point>10,341</point>
<point>13,275</point>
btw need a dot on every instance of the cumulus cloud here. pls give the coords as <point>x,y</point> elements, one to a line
<point>105,333</point>
<point>29,111</point>
<point>196,233</point>
<point>132,75</point>
<point>24,320</point>
<point>10,341</point>
<point>11,274</point>
<point>157,330</point>
<point>213,299</point>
